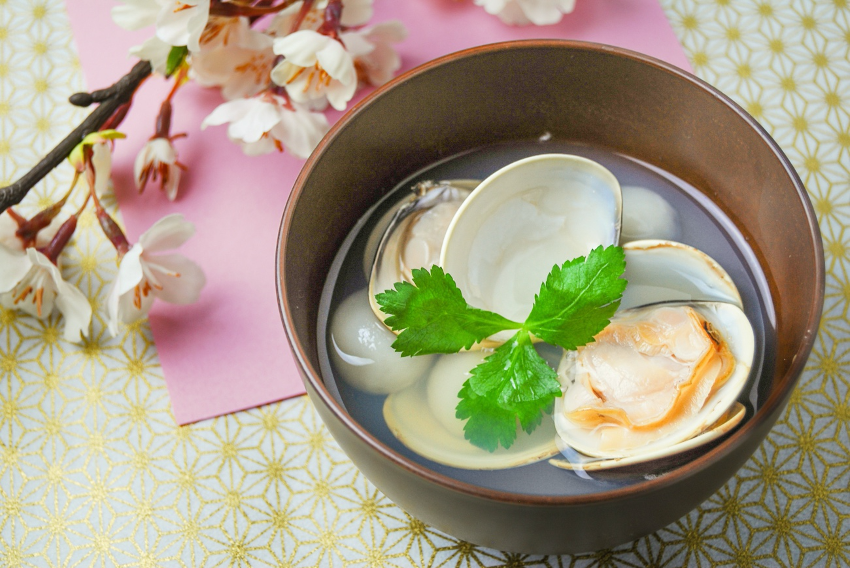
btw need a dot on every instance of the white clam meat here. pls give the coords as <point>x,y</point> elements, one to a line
<point>422,417</point>
<point>661,271</point>
<point>361,350</point>
<point>655,377</point>
<point>524,219</point>
<point>410,235</point>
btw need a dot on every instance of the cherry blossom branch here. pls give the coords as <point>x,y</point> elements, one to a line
<point>110,99</point>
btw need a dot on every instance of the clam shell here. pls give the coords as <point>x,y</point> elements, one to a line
<point>660,271</point>
<point>383,255</point>
<point>725,424</point>
<point>524,219</point>
<point>422,418</point>
<point>731,322</point>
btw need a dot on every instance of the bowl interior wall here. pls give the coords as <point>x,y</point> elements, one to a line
<point>594,96</point>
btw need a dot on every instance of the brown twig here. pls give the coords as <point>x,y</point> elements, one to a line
<point>110,99</point>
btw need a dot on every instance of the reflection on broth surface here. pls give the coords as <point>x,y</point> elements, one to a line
<point>422,415</point>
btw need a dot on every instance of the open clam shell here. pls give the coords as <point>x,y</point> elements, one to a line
<point>628,414</point>
<point>524,219</point>
<point>410,235</point>
<point>422,417</point>
<point>661,271</point>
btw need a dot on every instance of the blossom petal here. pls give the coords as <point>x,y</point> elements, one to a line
<point>356,12</point>
<point>228,112</point>
<point>173,181</point>
<point>541,12</point>
<point>135,14</point>
<point>73,304</point>
<point>76,310</point>
<point>185,288</point>
<point>180,22</point>
<point>391,31</point>
<point>101,159</point>
<point>262,146</point>
<point>259,120</point>
<point>337,62</point>
<point>128,312</point>
<point>356,43</point>
<point>197,23</point>
<point>166,234</point>
<point>154,50</point>
<point>129,276</point>
<point>301,47</point>
<point>8,238</point>
<point>340,93</point>
<point>301,131</point>
<point>15,266</point>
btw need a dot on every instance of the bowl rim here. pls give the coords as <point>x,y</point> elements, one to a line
<point>775,402</point>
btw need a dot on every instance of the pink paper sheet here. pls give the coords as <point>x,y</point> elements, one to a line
<point>228,351</point>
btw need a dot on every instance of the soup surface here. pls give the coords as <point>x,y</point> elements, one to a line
<point>701,224</point>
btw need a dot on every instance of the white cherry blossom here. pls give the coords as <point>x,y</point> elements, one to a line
<point>31,283</point>
<point>158,159</point>
<point>144,273</point>
<point>234,57</point>
<point>375,58</point>
<point>265,123</point>
<point>524,12</point>
<point>316,69</point>
<point>178,22</point>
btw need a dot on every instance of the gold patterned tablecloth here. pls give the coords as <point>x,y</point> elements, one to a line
<point>94,471</point>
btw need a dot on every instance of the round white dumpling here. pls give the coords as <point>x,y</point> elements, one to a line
<point>361,350</point>
<point>444,384</point>
<point>647,215</point>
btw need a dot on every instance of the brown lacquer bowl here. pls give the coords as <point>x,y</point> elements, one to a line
<point>594,94</point>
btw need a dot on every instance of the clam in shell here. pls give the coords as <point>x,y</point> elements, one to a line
<point>656,377</point>
<point>422,417</point>
<point>662,271</point>
<point>410,235</point>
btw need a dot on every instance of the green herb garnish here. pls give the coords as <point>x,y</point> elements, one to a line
<point>514,383</point>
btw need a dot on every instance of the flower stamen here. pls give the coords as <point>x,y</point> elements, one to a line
<point>23,294</point>
<point>295,75</point>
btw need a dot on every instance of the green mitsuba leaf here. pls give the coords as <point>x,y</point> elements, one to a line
<point>433,316</point>
<point>514,383</point>
<point>578,298</point>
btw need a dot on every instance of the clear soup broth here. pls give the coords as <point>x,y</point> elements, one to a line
<point>701,224</point>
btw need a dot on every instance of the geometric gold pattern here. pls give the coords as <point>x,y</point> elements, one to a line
<point>94,471</point>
